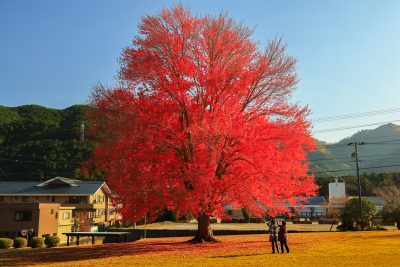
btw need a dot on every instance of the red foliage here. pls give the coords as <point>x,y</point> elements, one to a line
<point>203,120</point>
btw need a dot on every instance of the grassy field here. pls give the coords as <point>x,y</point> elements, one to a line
<point>307,249</point>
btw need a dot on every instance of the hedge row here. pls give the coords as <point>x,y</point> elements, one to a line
<point>35,242</point>
<point>20,242</point>
<point>6,243</point>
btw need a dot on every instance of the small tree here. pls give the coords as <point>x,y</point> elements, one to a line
<point>351,213</point>
<point>334,209</point>
<point>390,193</point>
<point>75,226</point>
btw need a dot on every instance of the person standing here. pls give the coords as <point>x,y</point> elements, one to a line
<point>273,238</point>
<point>31,233</point>
<point>282,237</point>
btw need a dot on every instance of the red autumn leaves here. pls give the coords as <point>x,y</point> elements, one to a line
<point>203,119</point>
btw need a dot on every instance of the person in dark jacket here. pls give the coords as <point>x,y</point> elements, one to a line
<point>30,234</point>
<point>282,237</point>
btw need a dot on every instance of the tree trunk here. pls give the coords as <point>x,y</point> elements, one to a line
<point>398,224</point>
<point>204,231</point>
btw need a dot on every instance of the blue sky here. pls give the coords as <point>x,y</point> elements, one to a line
<point>52,52</point>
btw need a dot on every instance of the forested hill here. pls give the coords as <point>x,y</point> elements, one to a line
<point>37,143</point>
<point>380,153</point>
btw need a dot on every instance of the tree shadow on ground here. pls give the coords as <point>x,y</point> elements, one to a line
<point>31,257</point>
<point>237,256</point>
<point>395,235</point>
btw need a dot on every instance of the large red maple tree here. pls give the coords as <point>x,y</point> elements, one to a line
<point>202,119</point>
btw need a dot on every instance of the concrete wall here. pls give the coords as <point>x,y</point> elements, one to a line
<point>65,222</point>
<point>48,220</point>
<point>337,189</point>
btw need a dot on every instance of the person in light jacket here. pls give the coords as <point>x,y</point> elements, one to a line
<point>273,238</point>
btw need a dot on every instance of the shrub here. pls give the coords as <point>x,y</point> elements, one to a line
<point>6,243</point>
<point>52,241</point>
<point>20,242</point>
<point>36,242</point>
<point>351,217</point>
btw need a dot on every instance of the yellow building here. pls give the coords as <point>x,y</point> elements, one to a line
<point>87,201</point>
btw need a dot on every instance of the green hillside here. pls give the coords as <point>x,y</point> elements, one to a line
<point>382,148</point>
<point>37,143</point>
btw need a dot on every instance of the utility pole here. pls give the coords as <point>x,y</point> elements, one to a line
<point>356,144</point>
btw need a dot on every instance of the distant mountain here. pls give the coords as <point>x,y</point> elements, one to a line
<point>381,153</point>
<point>37,143</point>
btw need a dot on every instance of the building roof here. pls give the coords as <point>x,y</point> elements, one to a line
<point>320,200</point>
<point>377,200</point>
<point>55,186</point>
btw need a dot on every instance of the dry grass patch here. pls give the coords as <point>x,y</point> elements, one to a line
<point>307,249</point>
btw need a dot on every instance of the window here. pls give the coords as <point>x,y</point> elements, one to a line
<point>48,197</point>
<point>25,199</point>
<point>53,199</point>
<point>1,198</point>
<point>77,199</point>
<point>100,212</point>
<point>16,197</point>
<point>66,215</point>
<point>23,216</point>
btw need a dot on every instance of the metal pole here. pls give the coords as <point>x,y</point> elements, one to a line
<point>359,187</point>
<point>359,182</point>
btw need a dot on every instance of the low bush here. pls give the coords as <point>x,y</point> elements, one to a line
<point>375,228</point>
<point>6,243</point>
<point>52,241</point>
<point>20,242</point>
<point>36,242</point>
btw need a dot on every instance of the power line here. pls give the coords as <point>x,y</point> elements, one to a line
<point>380,155</point>
<point>330,146</point>
<point>356,115</point>
<point>367,143</point>
<point>366,138</point>
<point>353,127</point>
<point>367,168</point>
<point>313,160</point>
<point>361,160</point>
<point>383,142</point>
